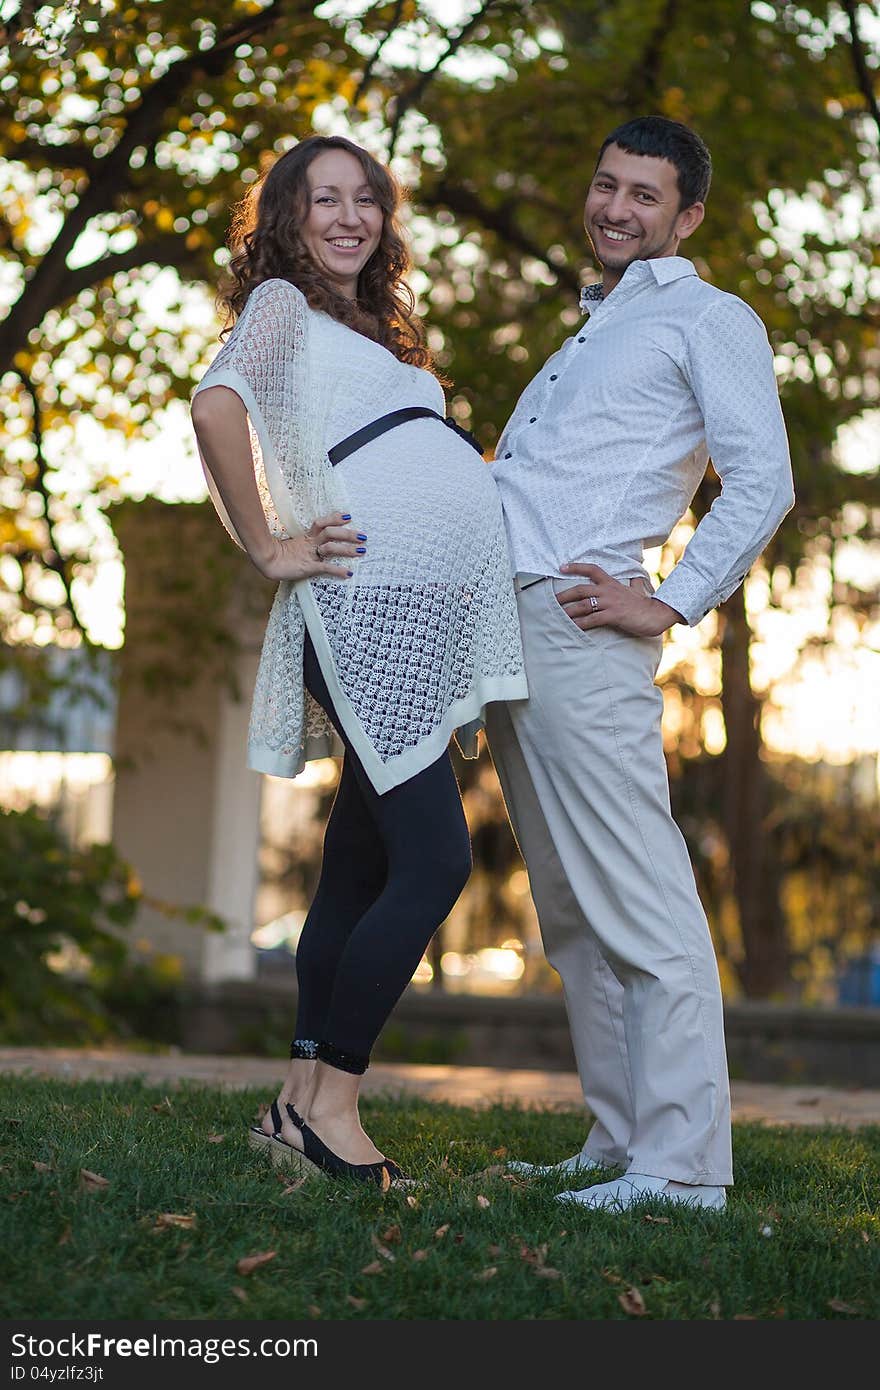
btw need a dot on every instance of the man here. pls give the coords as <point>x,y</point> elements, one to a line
<point>602,456</point>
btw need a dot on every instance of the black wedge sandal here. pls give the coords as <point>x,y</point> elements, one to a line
<point>384,1173</point>
<point>282,1153</point>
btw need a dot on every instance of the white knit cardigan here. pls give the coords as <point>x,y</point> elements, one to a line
<point>267,361</point>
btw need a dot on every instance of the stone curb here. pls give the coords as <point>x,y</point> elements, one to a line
<point>472,1086</point>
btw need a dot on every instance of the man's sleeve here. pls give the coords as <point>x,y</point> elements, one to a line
<point>730,370</point>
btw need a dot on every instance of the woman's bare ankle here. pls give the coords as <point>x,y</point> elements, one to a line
<point>344,1134</point>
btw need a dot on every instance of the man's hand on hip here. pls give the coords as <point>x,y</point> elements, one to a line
<point>605,602</point>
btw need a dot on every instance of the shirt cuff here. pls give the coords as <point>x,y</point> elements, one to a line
<point>690,595</point>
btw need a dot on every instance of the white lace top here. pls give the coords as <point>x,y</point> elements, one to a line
<point>426,633</point>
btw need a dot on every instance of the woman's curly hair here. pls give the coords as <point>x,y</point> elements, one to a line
<point>266,242</point>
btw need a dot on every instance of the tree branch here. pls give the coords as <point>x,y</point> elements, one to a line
<point>645,76</point>
<point>165,251</point>
<point>408,99</point>
<point>863,73</point>
<point>74,155</point>
<point>367,74</point>
<point>51,558</point>
<point>466,203</point>
<point>143,128</point>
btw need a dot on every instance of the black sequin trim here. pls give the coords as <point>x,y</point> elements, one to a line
<point>304,1048</point>
<point>344,1061</point>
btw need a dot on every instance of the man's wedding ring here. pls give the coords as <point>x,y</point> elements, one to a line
<point>594,602</point>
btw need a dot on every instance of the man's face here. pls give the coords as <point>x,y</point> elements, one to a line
<point>632,209</point>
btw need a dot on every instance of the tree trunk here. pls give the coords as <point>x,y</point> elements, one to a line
<point>745,807</point>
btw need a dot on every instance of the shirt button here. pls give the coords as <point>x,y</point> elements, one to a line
<point>581,340</point>
<point>553,378</point>
<point>532,419</point>
<point>508,455</point>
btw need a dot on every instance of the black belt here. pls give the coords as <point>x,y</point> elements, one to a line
<point>370,432</point>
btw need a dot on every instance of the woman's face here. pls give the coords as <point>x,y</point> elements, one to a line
<point>343,224</point>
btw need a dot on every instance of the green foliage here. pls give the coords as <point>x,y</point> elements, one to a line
<point>66,971</point>
<point>62,915</point>
<point>798,1240</point>
<point>177,105</point>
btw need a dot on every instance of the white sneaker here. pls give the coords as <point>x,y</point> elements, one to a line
<point>623,1193</point>
<point>578,1163</point>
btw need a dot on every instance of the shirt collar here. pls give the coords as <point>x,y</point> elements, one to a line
<point>664,269</point>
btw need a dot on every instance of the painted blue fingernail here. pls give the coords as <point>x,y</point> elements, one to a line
<point>361,550</point>
<point>350,574</point>
<point>361,537</point>
<point>346,516</point>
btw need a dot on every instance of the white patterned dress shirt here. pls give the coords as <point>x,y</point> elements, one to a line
<point>610,441</point>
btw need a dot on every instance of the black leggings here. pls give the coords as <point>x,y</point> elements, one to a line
<point>393,867</point>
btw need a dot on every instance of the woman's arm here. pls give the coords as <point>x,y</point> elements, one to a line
<point>220,422</point>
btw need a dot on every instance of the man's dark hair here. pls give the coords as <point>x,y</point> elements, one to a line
<point>664,139</point>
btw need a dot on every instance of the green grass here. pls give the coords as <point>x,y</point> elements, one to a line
<point>800,1238</point>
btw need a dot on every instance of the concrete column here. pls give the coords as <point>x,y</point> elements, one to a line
<point>186,807</point>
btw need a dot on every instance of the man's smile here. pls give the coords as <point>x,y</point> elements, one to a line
<point>615,234</point>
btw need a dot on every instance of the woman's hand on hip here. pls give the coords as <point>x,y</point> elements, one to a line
<point>311,555</point>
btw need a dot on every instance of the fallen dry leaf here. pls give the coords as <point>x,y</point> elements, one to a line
<point>656,1220</point>
<point>381,1249</point>
<point>838,1305</point>
<point>441,1231</point>
<point>355,1302</point>
<point>175,1218</point>
<point>386,1179</point>
<point>547,1272</point>
<point>494,1251</point>
<point>488,1273</point>
<point>611,1276</point>
<point>631,1302</point>
<point>499,1153</point>
<point>239,1293</point>
<point>293,1187</point>
<point>391,1236</point>
<point>249,1263</point>
<point>313,1310</point>
<point>483,1201</point>
<point>493,1171</point>
<point>444,1162</point>
<point>535,1256</point>
<point>374,1267</point>
<point>216,1138</point>
<point>43,1167</point>
<point>92,1182</point>
<point>419,1255</point>
<point>163,1107</point>
<point>865,1237</point>
<point>412,1202</point>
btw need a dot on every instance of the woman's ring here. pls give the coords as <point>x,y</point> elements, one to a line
<point>594,602</point>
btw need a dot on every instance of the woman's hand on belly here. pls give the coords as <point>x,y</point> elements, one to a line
<point>312,555</point>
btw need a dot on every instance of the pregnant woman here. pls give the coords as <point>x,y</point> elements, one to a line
<point>320,427</point>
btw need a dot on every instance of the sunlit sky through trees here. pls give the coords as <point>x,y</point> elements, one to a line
<point>808,679</point>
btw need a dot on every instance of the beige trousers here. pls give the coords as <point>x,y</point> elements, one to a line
<point>582,769</point>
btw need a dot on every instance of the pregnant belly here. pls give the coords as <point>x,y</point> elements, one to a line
<point>433,518</point>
